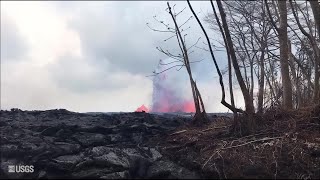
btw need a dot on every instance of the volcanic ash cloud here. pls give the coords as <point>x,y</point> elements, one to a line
<point>167,96</point>
<point>169,91</point>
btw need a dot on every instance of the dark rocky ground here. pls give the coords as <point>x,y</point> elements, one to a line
<point>64,144</point>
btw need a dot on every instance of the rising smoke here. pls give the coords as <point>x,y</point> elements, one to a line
<point>168,93</point>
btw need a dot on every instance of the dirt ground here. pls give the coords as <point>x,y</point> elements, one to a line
<point>285,145</point>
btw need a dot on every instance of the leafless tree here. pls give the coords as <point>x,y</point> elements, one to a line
<point>200,116</point>
<point>273,48</point>
<point>245,92</point>
<point>284,55</point>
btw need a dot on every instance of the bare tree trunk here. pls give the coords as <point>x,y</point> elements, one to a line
<point>316,92</point>
<point>298,90</point>
<point>273,85</point>
<point>284,56</point>
<point>230,80</point>
<point>236,122</point>
<point>315,8</point>
<point>200,98</point>
<point>294,76</point>
<point>245,92</point>
<point>252,81</point>
<point>261,83</point>
<point>316,13</point>
<point>232,108</point>
<point>199,117</point>
<point>194,94</point>
<point>251,70</point>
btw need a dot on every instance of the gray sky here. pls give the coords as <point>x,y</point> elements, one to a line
<point>94,56</point>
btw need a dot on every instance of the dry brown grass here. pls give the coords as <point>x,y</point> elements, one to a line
<point>286,145</point>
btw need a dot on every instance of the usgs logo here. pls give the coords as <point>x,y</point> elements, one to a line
<point>20,169</point>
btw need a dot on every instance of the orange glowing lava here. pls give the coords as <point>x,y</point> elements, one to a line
<point>142,109</point>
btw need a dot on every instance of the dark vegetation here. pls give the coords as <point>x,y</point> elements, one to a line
<point>286,145</point>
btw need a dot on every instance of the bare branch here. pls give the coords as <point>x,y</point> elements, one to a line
<point>194,43</point>
<point>158,30</point>
<point>156,73</point>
